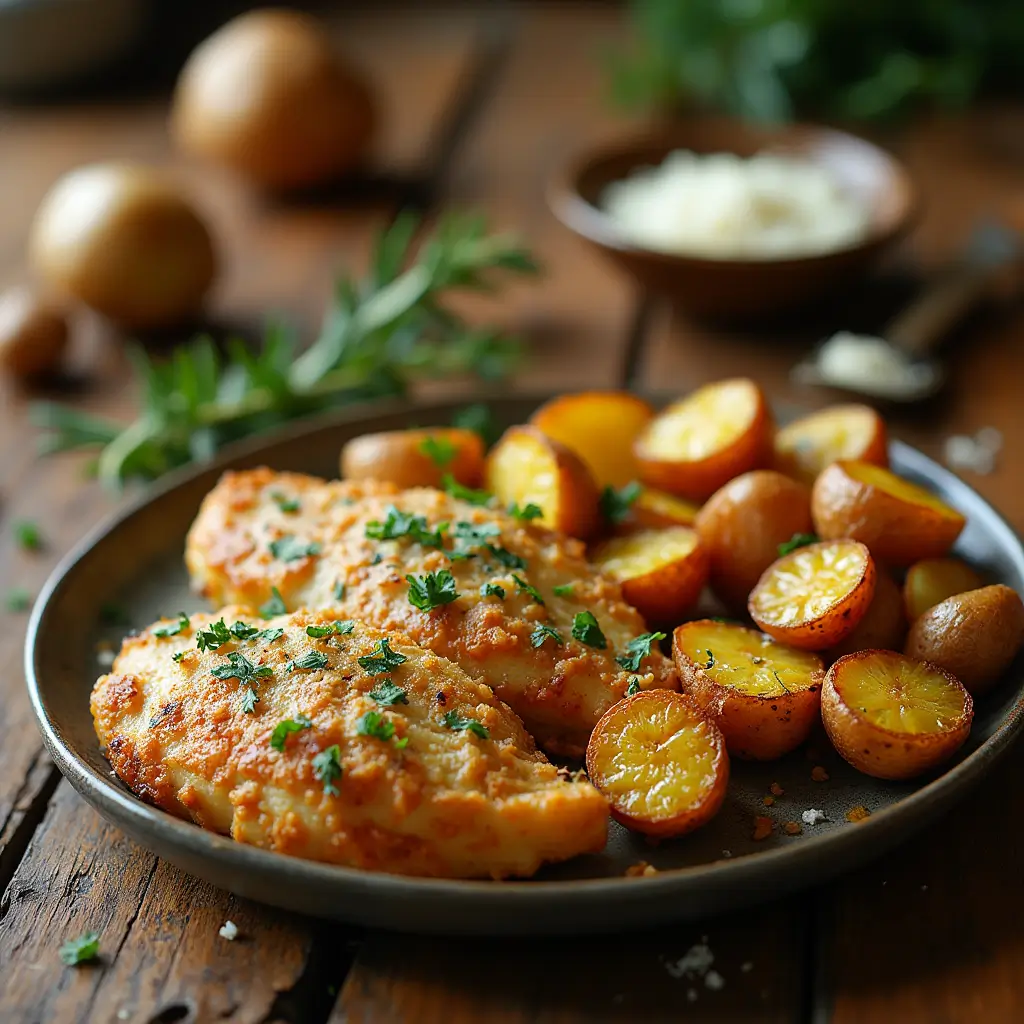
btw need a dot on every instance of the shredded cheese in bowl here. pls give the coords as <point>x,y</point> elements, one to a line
<point>723,206</point>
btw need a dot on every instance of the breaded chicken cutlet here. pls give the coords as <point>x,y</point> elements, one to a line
<point>513,604</point>
<point>337,742</point>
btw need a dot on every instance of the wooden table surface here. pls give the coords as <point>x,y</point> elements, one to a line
<point>478,110</point>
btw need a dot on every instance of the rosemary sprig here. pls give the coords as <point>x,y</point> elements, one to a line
<point>378,335</point>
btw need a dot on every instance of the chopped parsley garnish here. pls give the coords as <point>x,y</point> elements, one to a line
<point>250,698</point>
<point>587,631</point>
<point>241,668</point>
<point>710,663</point>
<point>637,650</point>
<point>284,503</point>
<point>440,450</point>
<point>506,557</point>
<point>615,504</point>
<point>526,513</point>
<point>377,559</point>
<point>270,635</point>
<point>338,591</point>
<point>27,535</point>
<point>334,629</point>
<point>432,590</point>
<point>177,656</point>
<point>178,627</point>
<point>284,728</point>
<point>455,721</point>
<point>475,533</point>
<point>480,420</point>
<point>492,590</point>
<point>79,951</point>
<point>386,693</point>
<point>290,549</point>
<point>463,493</point>
<point>634,686</point>
<point>309,662</point>
<point>275,606</point>
<point>526,588</point>
<point>381,659</point>
<point>18,599</point>
<point>327,768</point>
<point>399,524</point>
<point>542,632</point>
<point>114,614</point>
<point>374,724</point>
<point>798,540</point>
<point>220,633</point>
<point>563,589</point>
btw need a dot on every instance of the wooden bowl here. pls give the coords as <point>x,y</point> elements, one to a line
<point>739,289</point>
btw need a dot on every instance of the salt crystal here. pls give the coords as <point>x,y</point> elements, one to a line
<point>691,995</point>
<point>229,931</point>
<point>812,816</point>
<point>105,658</point>
<point>696,961</point>
<point>714,981</point>
<point>746,967</point>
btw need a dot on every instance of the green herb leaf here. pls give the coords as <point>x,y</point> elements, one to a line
<point>27,535</point>
<point>710,663</point>
<point>290,549</point>
<point>638,649</point>
<point>463,493</point>
<point>275,606</point>
<point>564,590</point>
<point>523,587</point>
<point>455,721</point>
<point>284,503</point>
<point>177,656</point>
<point>587,631</point>
<point>492,590</point>
<point>241,668</point>
<point>381,659</point>
<point>270,635</point>
<point>480,420</point>
<point>309,662</point>
<point>398,524</point>
<point>634,686</point>
<point>526,513</point>
<point>432,590</point>
<point>249,700</point>
<point>615,504</point>
<point>440,450</point>
<point>374,724</point>
<point>507,558</point>
<point>284,728</point>
<point>80,951</point>
<point>542,632</point>
<point>243,631</point>
<point>338,592</point>
<point>386,693</point>
<point>402,743</point>
<point>18,600</point>
<point>798,540</point>
<point>327,768</point>
<point>179,627</point>
<point>334,629</point>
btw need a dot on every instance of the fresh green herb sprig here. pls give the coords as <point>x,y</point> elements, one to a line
<point>28,536</point>
<point>455,721</point>
<point>378,335</point>
<point>440,450</point>
<point>637,649</point>
<point>333,629</point>
<point>81,950</point>
<point>544,632</point>
<point>174,629</point>
<point>284,728</point>
<point>616,504</point>
<point>798,540</point>
<point>432,590</point>
<point>585,628</point>
<point>327,768</point>
<point>386,694</point>
<point>381,659</point>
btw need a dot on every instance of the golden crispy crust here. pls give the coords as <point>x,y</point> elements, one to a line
<point>559,690</point>
<point>447,803</point>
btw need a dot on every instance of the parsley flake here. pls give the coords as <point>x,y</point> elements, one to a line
<point>480,420</point>
<point>284,728</point>
<point>638,649</point>
<point>526,513</point>
<point>177,656</point>
<point>526,588</point>
<point>275,606</point>
<point>338,592</point>
<point>173,630</point>
<point>270,635</point>
<point>398,524</point>
<point>587,631</point>
<point>564,589</point>
<point>798,540</point>
<point>80,951</point>
<point>18,599</point>
<point>381,659</point>
<point>507,558</point>
<point>492,590</point>
<point>634,686</point>
<point>27,535</point>
<point>386,693</point>
<point>241,668</point>
<point>432,590</point>
<point>615,504</point>
<point>250,698</point>
<point>463,493</point>
<point>710,663</point>
<point>284,503</point>
<point>309,662</point>
<point>220,633</point>
<point>374,724</point>
<point>327,768</point>
<point>290,549</point>
<point>542,632</point>
<point>334,629</point>
<point>440,450</point>
<point>455,721</point>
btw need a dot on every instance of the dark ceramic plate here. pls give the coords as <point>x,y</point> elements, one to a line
<point>136,561</point>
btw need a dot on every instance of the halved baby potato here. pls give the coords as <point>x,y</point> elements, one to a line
<point>653,509</point>
<point>415,458</point>
<point>884,626</point>
<point>900,522</point>
<point>528,467</point>
<point>660,761</point>
<point>932,580</point>
<point>764,696</point>
<point>742,525</point>
<point>662,572</point>
<point>814,597</point>
<point>973,635</point>
<point>894,717</point>
<point>700,442</point>
<point>806,446</point>
<point>600,427</point>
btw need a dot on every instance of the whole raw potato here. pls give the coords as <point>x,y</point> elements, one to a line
<point>33,333</point>
<point>123,239</point>
<point>267,97</point>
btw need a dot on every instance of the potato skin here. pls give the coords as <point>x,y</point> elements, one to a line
<point>742,525</point>
<point>932,580</point>
<point>974,636</point>
<point>33,334</point>
<point>397,456</point>
<point>896,531</point>
<point>884,626</point>
<point>883,753</point>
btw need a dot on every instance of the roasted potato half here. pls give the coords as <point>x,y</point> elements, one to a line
<point>415,458</point>
<point>653,509</point>
<point>600,427</point>
<point>806,446</point>
<point>894,717</point>
<point>528,467</point>
<point>815,596</point>
<point>662,572</point>
<point>900,522</point>
<point>884,626</point>
<point>932,580</point>
<point>661,762</point>
<point>763,696</point>
<point>974,635</point>
<point>742,525</point>
<point>700,442</point>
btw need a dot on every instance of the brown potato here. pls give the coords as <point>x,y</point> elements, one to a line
<point>527,467</point>
<point>653,509</point>
<point>415,458</point>
<point>765,697</point>
<point>742,525</point>
<point>900,522</point>
<point>933,580</point>
<point>600,427</point>
<point>884,626</point>
<point>893,717</point>
<point>815,596</point>
<point>33,334</point>
<point>705,439</point>
<point>662,572</point>
<point>661,763</point>
<point>974,636</point>
<point>806,446</point>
